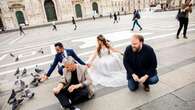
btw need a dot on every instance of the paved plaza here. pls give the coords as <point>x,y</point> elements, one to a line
<point>176,62</point>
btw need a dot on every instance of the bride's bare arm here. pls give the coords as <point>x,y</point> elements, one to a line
<point>92,58</point>
<point>116,50</point>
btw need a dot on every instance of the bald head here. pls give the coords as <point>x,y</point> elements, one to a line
<point>137,42</point>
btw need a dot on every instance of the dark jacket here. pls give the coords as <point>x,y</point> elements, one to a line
<point>59,58</point>
<point>73,21</point>
<point>136,15</point>
<point>115,16</point>
<point>141,63</point>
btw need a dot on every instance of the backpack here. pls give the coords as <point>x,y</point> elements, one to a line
<point>137,15</point>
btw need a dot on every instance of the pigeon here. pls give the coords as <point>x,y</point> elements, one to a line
<point>12,55</point>
<point>36,80</point>
<point>12,98</point>
<point>17,71</point>
<point>27,93</point>
<point>17,58</point>
<point>16,103</point>
<point>38,70</point>
<point>20,85</point>
<point>41,51</point>
<point>24,72</point>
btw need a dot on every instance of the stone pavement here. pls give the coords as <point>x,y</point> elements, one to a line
<point>175,90</point>
<point>176,59</point>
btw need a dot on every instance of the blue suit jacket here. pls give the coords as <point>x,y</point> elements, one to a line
<point>59,57</point>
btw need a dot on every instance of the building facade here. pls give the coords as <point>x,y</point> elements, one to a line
<point>39,12</point>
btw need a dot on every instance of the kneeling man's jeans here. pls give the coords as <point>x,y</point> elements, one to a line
<point>133,85</point>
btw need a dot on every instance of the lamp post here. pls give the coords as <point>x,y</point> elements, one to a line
<point>129,5</point>
<point>139,5</point>
<point>134,4</point>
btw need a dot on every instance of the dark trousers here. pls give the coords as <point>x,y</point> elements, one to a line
<point>22,32</point>
<point>183,22</point>
<point>136,23</point>
<point>133,85</point>
<point>115,20</point>
<point>67,100</point>
<point>75,26</point>
<point>60,70</point>
<point>54,28</point>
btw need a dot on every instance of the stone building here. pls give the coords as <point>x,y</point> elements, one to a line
<point>172,3</point>
<point>39,12</point>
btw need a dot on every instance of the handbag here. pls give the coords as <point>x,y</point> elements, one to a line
<point>181,14</point>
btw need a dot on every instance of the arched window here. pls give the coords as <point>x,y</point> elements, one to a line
<point>78,10</point>
<point>95,7</point>
<point>20,17</point>
<point>50,10</point>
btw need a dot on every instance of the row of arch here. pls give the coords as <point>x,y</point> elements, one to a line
<point>50,11</point>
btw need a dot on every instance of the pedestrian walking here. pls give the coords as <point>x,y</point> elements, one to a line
<point>183,18</point>
<point>21,30</point>
<point>115,18</point>
<point>54,26</point>
<point>94,14</point>
<point>110,15</point>
<point>136,17</point>
<point>74,23</point>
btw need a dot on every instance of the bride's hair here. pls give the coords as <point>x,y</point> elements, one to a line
<point>105,43</point>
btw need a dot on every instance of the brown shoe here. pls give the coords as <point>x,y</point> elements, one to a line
<point>146,88</point>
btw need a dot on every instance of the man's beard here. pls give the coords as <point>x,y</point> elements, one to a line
<point>135,50</point>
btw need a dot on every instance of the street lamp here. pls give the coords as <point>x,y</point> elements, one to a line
<point>129,3</point>
<point>134,4</point>
<point>139,5</point>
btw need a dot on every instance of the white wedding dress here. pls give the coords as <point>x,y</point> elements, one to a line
<point>108,70</point>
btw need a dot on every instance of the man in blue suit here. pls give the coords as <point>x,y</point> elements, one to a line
<point>61,54</point>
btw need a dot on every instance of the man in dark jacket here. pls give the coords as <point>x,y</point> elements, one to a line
<point>136,17</point>
<point>74,23</point>
<point>61,54</point>
<point>115,18</point>
<point>21,30</point>
<point>141,63</point>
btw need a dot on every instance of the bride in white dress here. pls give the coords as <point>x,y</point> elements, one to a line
<point>106,68</point>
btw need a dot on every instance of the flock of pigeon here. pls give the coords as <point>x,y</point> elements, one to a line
<point>22,90</point>
<point>17,58</point>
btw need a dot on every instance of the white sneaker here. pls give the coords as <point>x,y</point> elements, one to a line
<point>77,108</point>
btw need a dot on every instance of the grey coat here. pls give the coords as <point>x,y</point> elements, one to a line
<point>83,77</point>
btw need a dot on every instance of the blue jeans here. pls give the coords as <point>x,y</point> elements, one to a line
<point>133,85</point>
<point>136,22</point>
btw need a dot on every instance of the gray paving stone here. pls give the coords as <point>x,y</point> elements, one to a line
<point>181,77</point>
<point>187,93</point>
<point>168,102</point>
<point>122,99</point>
